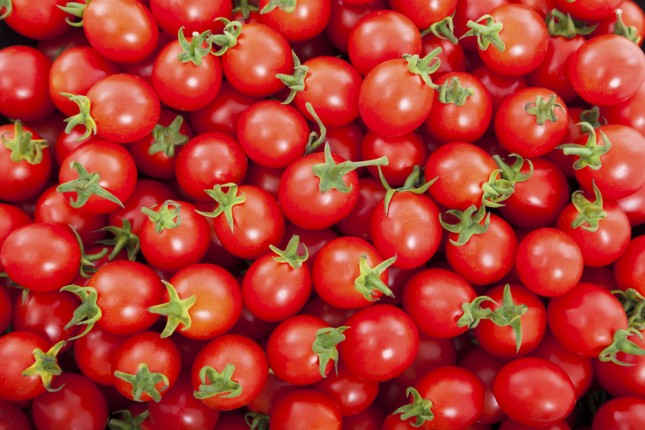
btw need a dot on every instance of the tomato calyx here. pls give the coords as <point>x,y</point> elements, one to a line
<point>590,213</point>
<point>420,409</point>
<point>331,173</point>
<point>176,310</point>
<point>8,8</point>
<point>508,314</point>
<point>127,421</point>
<point>593,117</point>
<point>256,421</point>
<point>496,190</point>
<point>296,81</point>
<point>424,67</point>
<point>469,223</point>
<point>412,184</point>
<point>46,366</point>
<point>287,6</point>
<point>513,173</point>
<point>225,202</point>
<point>621,343</point>
<point>23,147</point>
<point>290,254</point>
<point>123,239</point>
<point>327,338</point>
<point>168,216</point>
<point>369,280</point>
<point>85,186</point>
<point>228,38</point>
<point>88,312</point>
<point>453,92</point>
<point>634,305</point>
<point>195,50</point>
<point>487,33</point>
<point>588,154</point>
<point>543,110</point>
<point>315,139</point>
<point>83,117</point>
<point>628,31</point>
<point>560,24</point>
<point>214,383</point>
<point>444,29</point>
<point>166,139</point>
<point>244,8</point>
<point>144,381</point>
<point>77,10</point>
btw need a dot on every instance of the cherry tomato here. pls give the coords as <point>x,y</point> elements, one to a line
<point>305,409</point>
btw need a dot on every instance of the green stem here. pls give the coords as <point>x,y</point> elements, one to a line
<point>325,347</point>
<point>225,202</point>
<point>176,310</point>
<point>332,175</point>
<point>23,147</point>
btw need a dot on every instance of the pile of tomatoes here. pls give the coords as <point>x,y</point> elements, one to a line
<point>322,214</point>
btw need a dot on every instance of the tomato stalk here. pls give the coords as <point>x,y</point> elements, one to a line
<point>296,81</point>
<point>168,216</point>
<point>324,346</point>
<point>453,92</point>
<point>590,213</point>
<point>83,117</point>
<point>214,383</point>
<point>256,421</point>
<point>543,110</point>
<point>46,366</point>
<point>486,33</point>
<point>634,306</point>
<point>593,117</point>
<point>424,67</point>
<point>628,31</point>
<point>228,38</point>
<point>369,280</point>
<point>88,312</point>
<point>513,173</point>
<point>444,29</point>
<point>166,139</point>
<point>225,202</point>
<point>244,8</point>
<point>287,6</point>
<point>176,310</point>
<point>86,186</point>
<point>23,147</point>
<point>411,185</point>
<point>621,343</point>
<point>469,223</point>
<point>8,8</point>
<point>420,409</point>
<point>127,421</point>
<point>563,25</point>
<point>144,381</point>
<point>77,10</point>
<point>590,153</point>
<point>124,238</point>
<point>195,50</point>
<point>315,139</point>
<point>290,254</point>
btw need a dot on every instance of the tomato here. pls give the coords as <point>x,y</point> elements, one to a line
<point>607,58</point>
<point>229,372</point>
<point>78,404</point>
<point>178,408</point>
<point>174,236</point>
<point>45,314</point>
<point>124,31</point>
<point>13,417</point>
<point>352,394</point>
<point>75,71</point>
<point>485,367</point>
<point>534,391</point>
<point>199,290</point>
<point>629,270</point>
<point>628,20</point>
<point>272,134</point>
<point>549,262</point>
<point>626,380</point>
<point>193,15</point>
<point>370,419</point>
<point>93,354</point>
<point>26,160</point>
<point>26,352</point>
<point>344,16</point>
<point>41,20</point>
<point>11,218</point>
<point>592,10</point>
<point>277,285</point>
<point>498,86</point>
<point>424,13</point>
<point>41,256</point>
<point>145,366</point>
<point>209,159</point>
<point>188,83</point>
<point>357,223</point>
<point>619,413</point>
<point>305,409</point>
<point>433,298</point>
<point>380,343</point>
<point>305,20</point>
<point>98,176</point>
<point>628,112</point>
<point>24,91</point>
<point>266,178</point>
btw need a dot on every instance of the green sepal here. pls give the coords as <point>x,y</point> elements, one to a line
<point>166,139</point>
<point>194,51</point>
<point>76,9</point>
<point>123,239</point>
<point>83,117</point>
<point>560,24</point>
<point>296,81</point>
<point>46,366</point>
<point>444,29</point>
<point>315,139</point>
<point>7,5</point>
<point>474,313</point>
<point>290,254</point>
<point>85,186</point>
<point>225,202</point>
<point>228,38</point>
<point>243,8</point>
<point>634,305</point>
<point>287,6</point>
<point>424,67</point>
<point>590,153</point>
<point>88,312</point>
<point>496,190</point>
<point>369,282</point>
<point>144,381</point>
<point>513,173</point>
<point>628,31</point>
<point>510,314</point>
<point>127,420</point>
<point>168,216</point>
<point>487,33</point>
<point>87,267</point>
<point>324,346</point>
<point>256,421</point>
<point>214,383</point>
<point>453,92</point>
<point>176,310</point>
<point>469,223</point>
<point>331,174</point>
<point>420,409</point>
<point>23,147</point>
<point>589,213</point>
<point>621,343</point>
<point>593,117</point>
<point>543,110</point>
<point>412,184</point>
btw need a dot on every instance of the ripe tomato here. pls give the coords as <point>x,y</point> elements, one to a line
<point>11,218</point>
<point>43,20</point>
<point>629,270</point>
<point>178,408</point>
<point>344,16</point>
<point>306,409</point>
<point>93,354</point>
<point>485,366</point>
<point>621,412</point>
<point>592,10</point>
<point>193,15</point>
<point>352,394</point>
<point>301,22</point>
<point>13,417</point>
<point>628,112</point>
<point>45,314</point>
<point>625,380</point>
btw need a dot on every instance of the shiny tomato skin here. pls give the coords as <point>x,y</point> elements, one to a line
<point>307,20</point>
<point>623,380</point>
<point>13,417</point>
<point>11,218</point>
<point>93,354</point>
<point>46,314</point>
<point>619,413</point>
<point>16,352</point>
<point>178,408</point>
<point>594,10</point>
<point>403,153</point>
<point>344,16</point>
<point>357,223</point>
<point>193,15</point>
<point>43,20</point>
<point>485,366</point>
<point>306,409</point>
<point>628,112</point>
<point>352,394</point>
<point>629,269</point>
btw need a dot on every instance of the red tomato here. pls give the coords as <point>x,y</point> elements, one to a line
<point>11,218</point>
<point>305,409</point>
<point>305,20</point>
<point>629,270</point>
<point>93,354</point>
<point>193,15</point>
<point>628,112</point>
<point>344,16</point>
<point>352,394</point>
<point>42,20</point>
<point>485,367</point>
<point>357,223</point>
<point>45,314</point>
<point>623,380</point>
<point>593,10</point>
<point>178,408</point>
<point>619,413</point>
<point>13,417</point>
